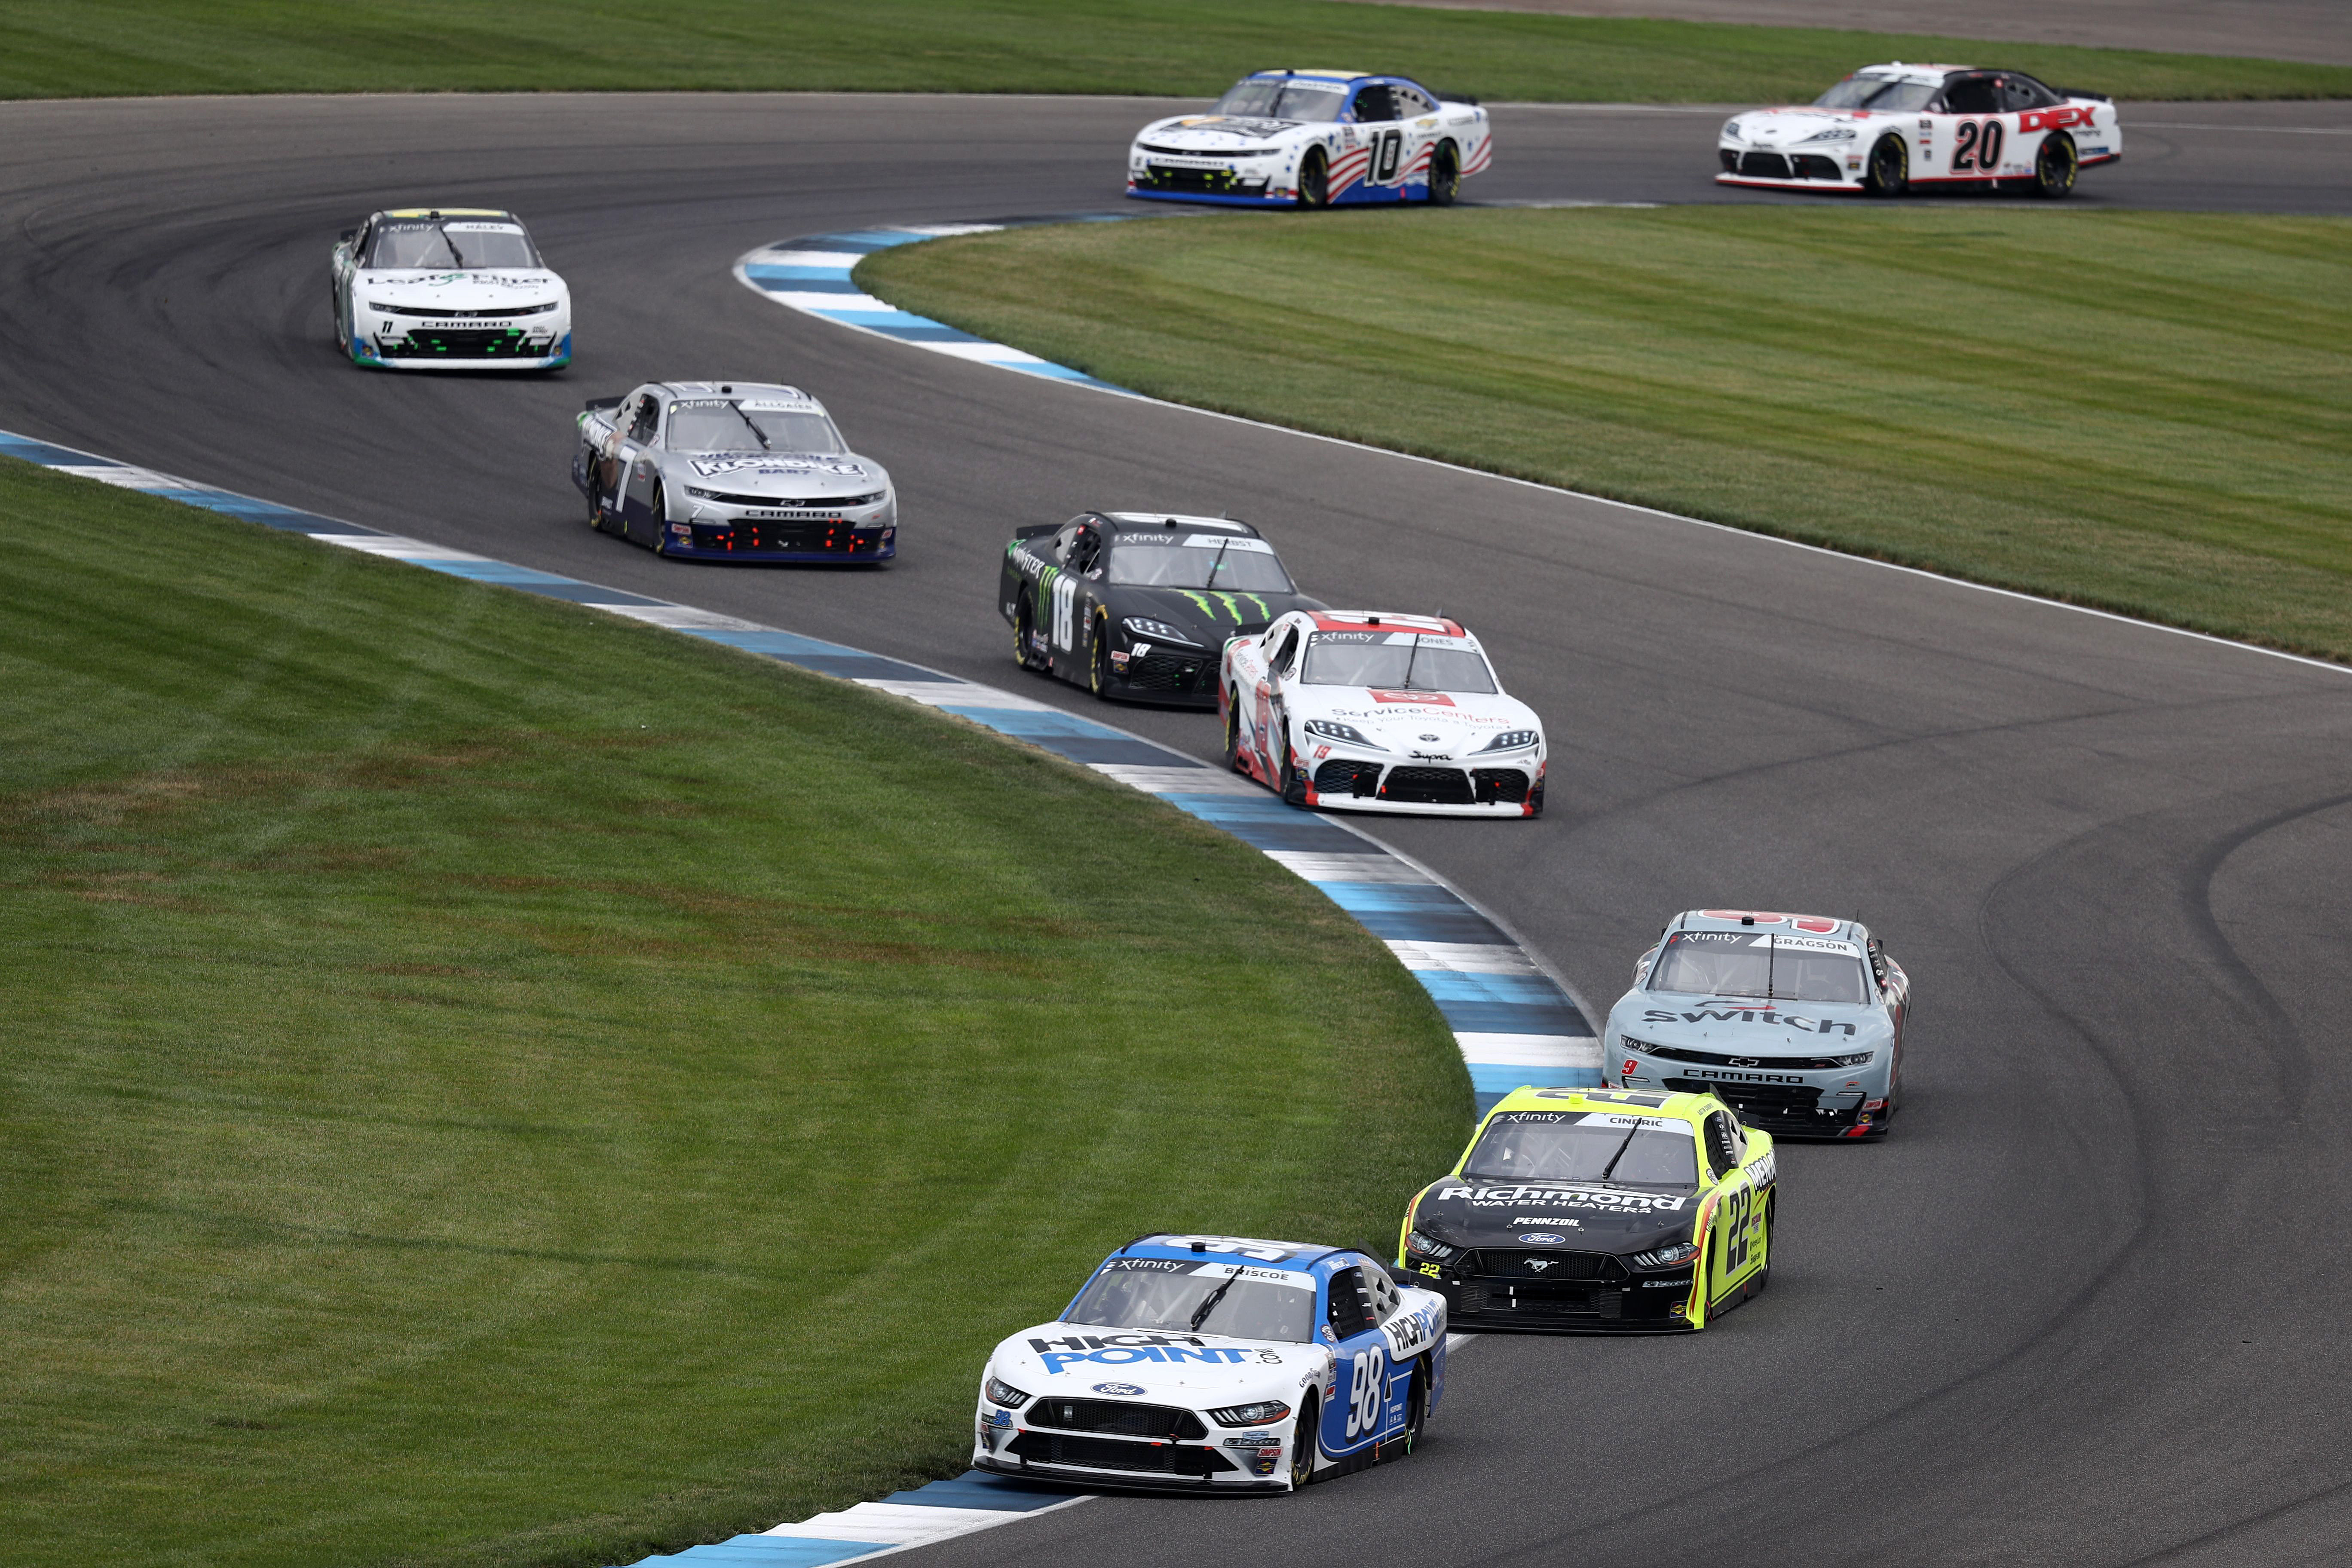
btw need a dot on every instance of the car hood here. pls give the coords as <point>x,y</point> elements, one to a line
<point>461,290</point>
<point>1591,1218</point>
<point>1746,1027</point>
<point>1210,616</point>
<point>1782,127</point>
<point>1216,132</point>
<point>1434,725</point>
<point>777,475</point>
<point>1092,1362</point>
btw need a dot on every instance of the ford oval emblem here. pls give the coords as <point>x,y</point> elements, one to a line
<point>1117,1388</point>
<point>1543,1238</point>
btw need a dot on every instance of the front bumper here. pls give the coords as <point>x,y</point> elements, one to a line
<point>502,350</point>
<point>1225,184</point>
<point>1801,1105</point>
<point>1625,1303</point>
<point>1836,166</point>
<point>1500,788</point>
<point>1170,677</point>
<point>1214,1460</point>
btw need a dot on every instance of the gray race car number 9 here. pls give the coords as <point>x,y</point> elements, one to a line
<point>1368,1386</point>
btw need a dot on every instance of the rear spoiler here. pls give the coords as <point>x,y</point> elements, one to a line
<point>1470,97</point>
<point>598,405</point>
<point>1032,532</point>
<point>2081,92</point>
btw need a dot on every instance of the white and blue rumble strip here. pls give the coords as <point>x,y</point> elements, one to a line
<point>812,275</point>
<point>1516,1025</point>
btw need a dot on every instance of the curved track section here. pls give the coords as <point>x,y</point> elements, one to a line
<point>2079,1310</point>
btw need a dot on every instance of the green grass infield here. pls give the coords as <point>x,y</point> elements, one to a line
<point>485,1082</point>
<point>96,48</point>
<point>2149,413</point>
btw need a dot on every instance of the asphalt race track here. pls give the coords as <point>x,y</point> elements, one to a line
<point>2080,1310</point>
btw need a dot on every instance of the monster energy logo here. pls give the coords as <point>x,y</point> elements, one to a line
<point>1230,603</point>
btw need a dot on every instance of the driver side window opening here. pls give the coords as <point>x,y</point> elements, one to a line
<point>1972,95</point>
<point>1375,103</point>
<point>646,419</point>
<point>1284,652</point>
<point>1349,1315</point>
<point>1385,1299</point>
<point>1722,1144</point>
<point>1085,550</point>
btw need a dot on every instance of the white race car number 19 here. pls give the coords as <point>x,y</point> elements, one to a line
<point>1065,607</point>
<point>1368,1386</point>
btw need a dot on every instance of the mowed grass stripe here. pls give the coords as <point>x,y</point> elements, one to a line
<point>98,48</point>
<point>2148,413</point>
<point>487,1082</point>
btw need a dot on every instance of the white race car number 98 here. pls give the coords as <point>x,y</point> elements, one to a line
<point>1368,1388</point>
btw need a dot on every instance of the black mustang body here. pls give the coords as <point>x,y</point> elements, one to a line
<point>1138,605</point>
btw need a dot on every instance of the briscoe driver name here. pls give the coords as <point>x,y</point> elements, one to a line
<point>1567,1197</point>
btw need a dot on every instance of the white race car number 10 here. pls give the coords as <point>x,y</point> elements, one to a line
<point>1066,610</point>
<point>1368,1386</point>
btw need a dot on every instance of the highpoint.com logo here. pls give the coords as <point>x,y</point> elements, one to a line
<point>1126,1350</point>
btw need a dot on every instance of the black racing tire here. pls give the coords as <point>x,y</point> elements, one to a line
<point>2055,164</point>
<point>595,506</point>
<point>1022,632</point>
<point>1313,180</point>
<point>1888,173</point>
<point>1302,1442</point>
<point>1445,176</point>
<point>1535,801</point>
<point>1764,1275</point>
<point>1290,777</point>
<point>658,507</point>
<point>1098,657</point>
<point>1233,733</point>
<point>1416,1408</point>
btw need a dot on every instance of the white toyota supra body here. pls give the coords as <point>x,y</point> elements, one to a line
<point>1314,139</point>
<point>1352,711</point>
<point>1887,128</point>
<point>448,289</point>
<point>1216,1363</point>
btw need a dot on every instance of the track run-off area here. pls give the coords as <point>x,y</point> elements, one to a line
<point>2078,1309</point>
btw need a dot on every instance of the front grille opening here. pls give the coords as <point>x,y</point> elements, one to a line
<point>787,538</point>
<point>1344,778</point>
<point>1429,787</point>
<point>1112,1415</point>
<point>1111,1454</point>
<point>1764,165</point>
<point>1176,672</point>
<point>464,344</point>
<point>1197,182</point>
<point>1813,166</point>
<point>1507,786</point>
<point>1505,1263</point>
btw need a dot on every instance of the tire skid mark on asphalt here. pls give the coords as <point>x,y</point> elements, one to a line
<point>1515,1020</point>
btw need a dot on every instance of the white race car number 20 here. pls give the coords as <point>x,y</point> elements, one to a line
<point>1368,1388</point>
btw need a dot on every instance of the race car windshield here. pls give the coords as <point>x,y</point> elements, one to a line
<point>1176,567</point>
<point>449,245</point>
<point>1371,658</point>
<point>722,426</point>
<point>1880,94</point>
<point>1635,1151</point>
<point>1284,100</point>
<point>1704,963</point>
<point>1174,1303</point>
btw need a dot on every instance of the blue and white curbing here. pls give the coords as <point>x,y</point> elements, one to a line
<point>1516,1021</point>
<point>812,275</point>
